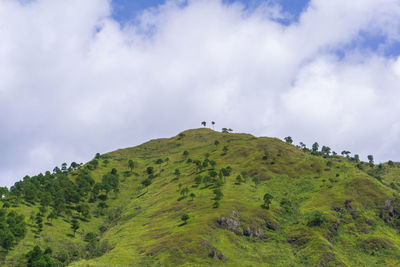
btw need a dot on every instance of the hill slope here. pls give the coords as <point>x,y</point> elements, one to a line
<point>250,201</point>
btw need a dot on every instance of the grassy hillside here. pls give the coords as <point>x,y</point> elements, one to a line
<point>319,210</point>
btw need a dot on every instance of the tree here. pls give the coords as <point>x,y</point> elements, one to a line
<point>267,200</point>
<point>185,191</point>
<point>75,225</point>
<point>7,241</point>
<point>185,218</point>
<point>213,123</point>
<point>256,181</point>
<point>146,182</point>
<point>192,195</point>
<point>371,160</point>
<point>289,140</point>
<point>204,123</point>
<point>131,164</point>
<point>216,142</point>
<point>185,153</point>
<point>225,150</point>
<point>150,170</point>
<point>225,130</point>
<point>97,156</point>
<point>177,172</point>
<point>303,146</point>
<point>357,158</point>
<point>345,153</point>
<point>52,215</point>
<point>326,150</point>
<point>64,167</point>
<point>315,147</point>
<point>218,194</point>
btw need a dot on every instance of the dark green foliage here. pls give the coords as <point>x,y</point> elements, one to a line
<point>184,191</point>
<point>216,142</point>
<point>12,228</point>
<point>146,182</point>
<point>110,181</point>
<point>226,171</point>
<point>346,153</point>
<point>315,147</point>
<point>289,140</point>
<point>38,258</point>
<point>317,218</point>
<point>75,225</point>
<point>177,172</point>
<point>239,179</point>
<point>150,170</point>
<point>131,164</point>
<point>267,200</point>
<point>286,204</point>
<point>255,180</point>
<point>371,160</point>
<point>326,150</point>
<point>159,161</point>
<point>225,150</point>
<point>185,153</point>
<point>218,194</point>
<point>185,218</point>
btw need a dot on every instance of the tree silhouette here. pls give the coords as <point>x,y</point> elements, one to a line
<point>289,140</point>
<point>371,160</point>
<point>213,123</point>
<point>267,200</point>
<point>315,147</point>
<point>131,164</point>
<point>204,123</point>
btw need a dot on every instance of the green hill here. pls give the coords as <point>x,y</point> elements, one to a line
<point>250,202</point>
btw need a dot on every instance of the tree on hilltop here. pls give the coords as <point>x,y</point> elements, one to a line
<point>289,140</point>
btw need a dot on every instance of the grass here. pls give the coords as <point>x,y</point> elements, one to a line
<point>149,231</point>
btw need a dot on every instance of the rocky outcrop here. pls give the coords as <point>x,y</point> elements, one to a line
<point>229,224</point>
<point>255,230</point>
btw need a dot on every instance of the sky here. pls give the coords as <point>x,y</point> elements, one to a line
<point>81,77</point>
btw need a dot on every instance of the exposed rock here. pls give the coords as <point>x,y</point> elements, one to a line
<point>217,255</point>
<point>228,224</point>
<point>348,206</point>
<point>234,213</point>
<point>246,231</point>
<point>271,225</point>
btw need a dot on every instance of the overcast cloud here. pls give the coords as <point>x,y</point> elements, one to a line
<point>74,82</point>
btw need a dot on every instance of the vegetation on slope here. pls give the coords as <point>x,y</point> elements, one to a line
<point>209,198</point>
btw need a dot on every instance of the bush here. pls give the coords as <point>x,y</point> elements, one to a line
<point>317,218</point>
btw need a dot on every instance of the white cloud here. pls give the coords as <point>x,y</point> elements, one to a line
<point>74,82</point>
